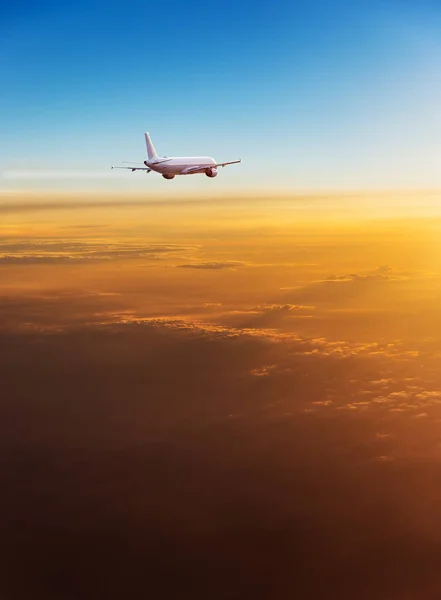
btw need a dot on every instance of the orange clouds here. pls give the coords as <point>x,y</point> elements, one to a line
<point>249,387</point>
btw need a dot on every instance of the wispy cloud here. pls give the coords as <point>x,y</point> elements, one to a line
<point>214,265</point>
<point>60,251</point>
<point>53,174</point>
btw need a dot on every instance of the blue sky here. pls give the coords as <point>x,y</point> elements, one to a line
<point>316,95</point>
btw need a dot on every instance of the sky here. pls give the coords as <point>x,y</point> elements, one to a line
<point>220,388</point>
<point>317,95</point>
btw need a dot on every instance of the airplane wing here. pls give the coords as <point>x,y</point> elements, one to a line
<point>134,168</point>
<point>199,168</point>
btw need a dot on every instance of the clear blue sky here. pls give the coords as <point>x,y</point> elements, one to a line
<point>311,95</point>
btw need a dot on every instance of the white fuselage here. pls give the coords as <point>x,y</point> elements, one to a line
<point>178,165</point>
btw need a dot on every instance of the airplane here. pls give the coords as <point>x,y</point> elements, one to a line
<point>181,165</point>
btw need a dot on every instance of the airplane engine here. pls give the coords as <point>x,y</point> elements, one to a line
<point>211,172</point>
<point>168,176</point>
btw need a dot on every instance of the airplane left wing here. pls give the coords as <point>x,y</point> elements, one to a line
<point>134,168</point>
<point>204,168</point>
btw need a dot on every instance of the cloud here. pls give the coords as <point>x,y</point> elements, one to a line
<point>215,265</point>
<point>67,309</point>
<point>283,308</point>
<point>264,371</point>
<point>267,315</point>
<point>55,202</point>
<point>298,345</point>
<point>373,290</point>
<point>61,251</point>
<point>381,382</point>
<point>36,259</point>
<point>116,421</point>
<point>319,373</point>
<point>380,274</point>
<point>45,174</point>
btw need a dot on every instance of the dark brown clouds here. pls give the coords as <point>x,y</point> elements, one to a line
<point>200,461</point>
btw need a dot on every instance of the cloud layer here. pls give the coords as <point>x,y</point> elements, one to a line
<point>59,251</point>
<point>262,421</point>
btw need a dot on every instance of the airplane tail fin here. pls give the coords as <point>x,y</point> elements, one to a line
<point>151,152</point>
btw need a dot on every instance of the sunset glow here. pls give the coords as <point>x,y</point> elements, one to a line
<point>220,387</point>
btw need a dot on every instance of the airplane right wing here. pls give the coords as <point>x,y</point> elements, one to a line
<point>199,168</point>
<point>232,162</point>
